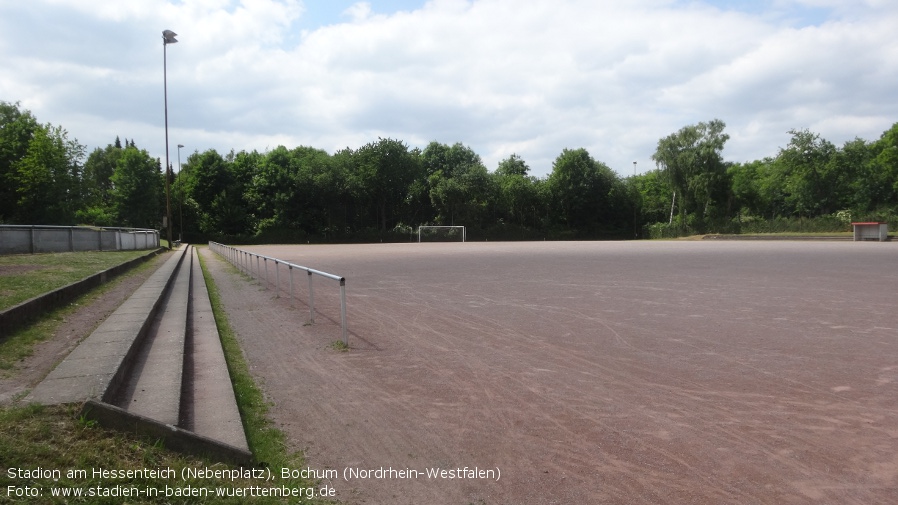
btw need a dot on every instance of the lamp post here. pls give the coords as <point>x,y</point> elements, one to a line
<point>180,198</point>
<point>635,204</point>
<point>168,37</point>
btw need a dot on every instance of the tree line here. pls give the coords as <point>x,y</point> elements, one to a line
<point>810,185</point>
<point>385,189</point>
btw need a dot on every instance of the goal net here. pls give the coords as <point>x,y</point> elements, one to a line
<point>441,234</point>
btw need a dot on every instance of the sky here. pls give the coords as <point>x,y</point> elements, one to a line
<point>502,77</point>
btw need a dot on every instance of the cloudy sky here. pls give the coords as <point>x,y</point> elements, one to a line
<point>530,77</point>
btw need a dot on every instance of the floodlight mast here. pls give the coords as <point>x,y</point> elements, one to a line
<point>180,198</point>
<point>635,206</point>
<point>168,37</point>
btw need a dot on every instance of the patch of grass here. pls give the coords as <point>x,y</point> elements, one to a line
<point>24,276</point>
<point>19,344</point>
<point>56,439</point>
<point>339,345</point>
<point>267,443</point>
<point>846,234</point>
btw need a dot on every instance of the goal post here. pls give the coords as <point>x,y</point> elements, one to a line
<point>441,234</point>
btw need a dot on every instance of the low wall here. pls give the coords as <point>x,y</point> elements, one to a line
<point>17,239</point>
<point>19,315</point>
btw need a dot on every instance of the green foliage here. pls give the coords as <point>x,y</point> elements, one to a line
<point>40,170</point>
<point>98,172</point>
<point>48,178</point>
<point>356,195</point>
<point>692,161</point>
<point>17,127</point>
<point>383,172</point>
<point>339,345</point>
<point>587,196</point>
<point>654,196</point>
<point>138,194</point>
<point>520,201</point>
<point>802,170</point>
<point>463,197</point>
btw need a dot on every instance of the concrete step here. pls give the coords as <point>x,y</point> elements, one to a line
<point>95,369</point>
<point>156,366</point>
<point>210,406</point>
<point>153,389</point>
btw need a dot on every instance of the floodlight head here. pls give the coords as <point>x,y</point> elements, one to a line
<point>168,37</point>
<point>180,146</point>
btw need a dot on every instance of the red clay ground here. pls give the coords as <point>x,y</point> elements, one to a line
<point>647,372</point>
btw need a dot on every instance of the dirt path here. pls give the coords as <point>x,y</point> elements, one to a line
<point>74,328</point>
<point>654,372</point>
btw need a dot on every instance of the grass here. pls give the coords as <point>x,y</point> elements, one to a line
<point>59,441</point>
<point>339,345</point>
<point>19,344</point>
<point>793,233</point>
<point>783,234</point>
<point>24,276</point>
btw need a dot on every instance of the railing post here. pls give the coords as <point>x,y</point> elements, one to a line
<point>292,298</point>
<point>265,262</point>
<point>277,280</point>
<point>311,299</point>
<point>343,311</point>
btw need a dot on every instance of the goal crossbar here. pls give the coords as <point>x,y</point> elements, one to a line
<point>461,228</point>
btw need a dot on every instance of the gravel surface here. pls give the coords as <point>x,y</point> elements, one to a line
<point>602,372</point>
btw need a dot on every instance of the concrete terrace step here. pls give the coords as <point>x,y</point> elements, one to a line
<point>156,366</point>
<point>96,367</point>
<point>211,410</point>
<point>153,388</point>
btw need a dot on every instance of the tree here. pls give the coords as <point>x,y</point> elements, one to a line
<point>17,128</point>
<point>98,171</point>
<point>806,183</point>
<point>207,186</point>
<point>654,196</point>
<point>48,178</point>
<point>461,189</point>
<point>384,171</point>
<point>883,169</point>
<point>519,200</point>
<point>514,165</point>
<point>745,181</point>
<point>587,197</point>
<point>138,189</point>
<point>691,159</point>
<point>854,183</point>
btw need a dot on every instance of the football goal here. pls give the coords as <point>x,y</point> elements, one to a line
<point>441,234</point>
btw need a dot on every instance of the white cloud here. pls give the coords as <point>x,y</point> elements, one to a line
<point>502,76</point>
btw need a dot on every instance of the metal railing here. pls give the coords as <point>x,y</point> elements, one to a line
<point>245,260</point>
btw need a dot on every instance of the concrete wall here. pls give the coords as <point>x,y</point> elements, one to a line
<point>45,239</point>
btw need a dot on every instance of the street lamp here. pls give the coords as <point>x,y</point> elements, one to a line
<point>168,37</point>
<point>180,198</point>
